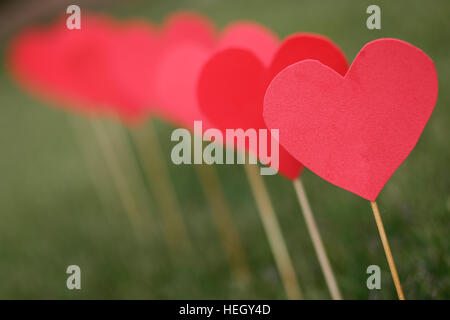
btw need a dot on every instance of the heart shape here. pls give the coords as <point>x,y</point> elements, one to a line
<point>233,82</point>
<point>132,68</point>
<point>184,55</point>
<point>250,36</point>
<point>71,67</point>
<point>188,40</point>
<point>135,53</point>
<point>355,130</point>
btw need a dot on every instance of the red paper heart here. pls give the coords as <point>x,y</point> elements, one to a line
<point>128,68</point>
<point>184,55</point>
<point>71,67</point>
<point>354,131</point>
<point>233,82</point>
<point>187,41</point>
<point>135,53</point>
<point>251,36</point>
<point>188,27</point>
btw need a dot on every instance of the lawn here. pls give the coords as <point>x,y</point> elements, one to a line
<point>52,217</point>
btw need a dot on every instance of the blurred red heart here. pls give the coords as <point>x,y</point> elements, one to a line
<point>232,84</point>
<point>135,53</point>
<point>250,36</point>
<point>189,40</point>
<point>355,130</point>
<point>130,69</point>
<point>71,67</point>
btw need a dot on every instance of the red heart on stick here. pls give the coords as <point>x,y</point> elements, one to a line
<point>355,130</point>
<point>232,84</point>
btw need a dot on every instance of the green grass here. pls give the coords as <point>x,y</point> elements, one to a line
<point>51,216</point>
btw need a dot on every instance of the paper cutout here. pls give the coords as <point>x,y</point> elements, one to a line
<point>233,82</point>
<point>354,131</point>
<point>188,27</point>
<point>187,42</point>
<point>184,55</point>
<point>131,69</point>
<point>135,53</point>
<point>250,36</point>
<point>302,46</point>
<point>71,67</point>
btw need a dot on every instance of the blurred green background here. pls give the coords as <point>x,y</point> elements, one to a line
<point>51,217</point>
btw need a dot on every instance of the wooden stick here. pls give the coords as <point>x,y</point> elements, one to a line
<point>149,150</point>
<point>387,250</point>
<point>97,179</point>
<point>273,232</point>
<point>228,231</point>
<point>317,240</point>
<point>120,181</point>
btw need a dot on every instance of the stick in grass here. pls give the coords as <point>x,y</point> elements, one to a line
<point>273,232</point>
<point>156,170</point>
<point>93,169</point>
<point>387,250</point>
<point>317,240</point>
<point>120,181</point>
<point>228,231</point>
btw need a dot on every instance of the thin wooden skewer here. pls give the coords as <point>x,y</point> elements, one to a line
<point>119,178</point>
<point>156,170</point>
<point>228,231</point>
<point>387,250</point>
<point>273,232</point>
<point>317,240</point>
<point>125,152</point>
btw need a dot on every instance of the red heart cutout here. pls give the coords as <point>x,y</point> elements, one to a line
<point>184,55</point>
<point>71,67</point>
<point>233,82</point>
<point>188,27</point>
<point>187,41</point>
<point>135,53</point>
<point>128,68</point>
<point>250,36</point>
<point>355,130</point>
